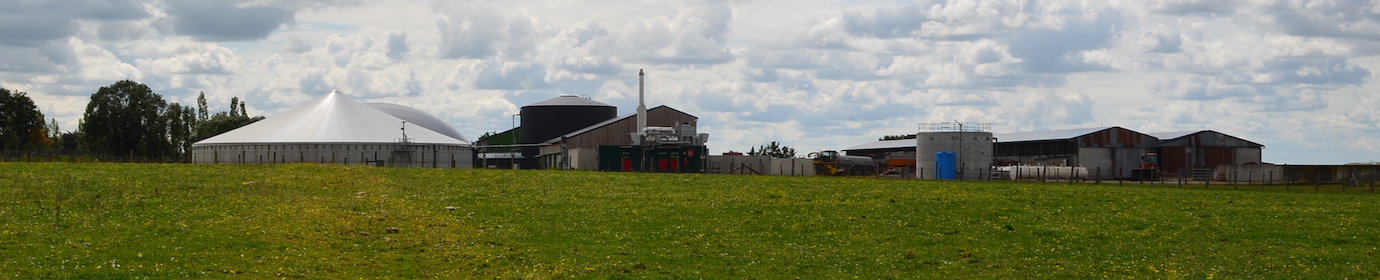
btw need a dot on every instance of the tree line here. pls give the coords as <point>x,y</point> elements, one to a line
<point>124,118</point>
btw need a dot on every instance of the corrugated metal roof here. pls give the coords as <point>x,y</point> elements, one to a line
<point>1046,135</point>
<point>569,100</point>
<point>885,144</point>
<point>1001,138</point>
<point>332,118</point>
<point>1174,134</point>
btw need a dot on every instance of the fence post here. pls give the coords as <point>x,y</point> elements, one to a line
<point>961,171</point>
<point>1098,180</point>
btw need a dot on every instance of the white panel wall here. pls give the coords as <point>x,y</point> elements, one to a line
<point>420,155</point>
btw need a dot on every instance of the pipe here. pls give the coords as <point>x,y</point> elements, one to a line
<point>641,102</point>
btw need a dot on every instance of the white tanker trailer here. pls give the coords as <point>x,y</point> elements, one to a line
<point>1036,172</point>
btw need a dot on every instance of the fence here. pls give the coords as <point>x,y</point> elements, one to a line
<point>88,156</point>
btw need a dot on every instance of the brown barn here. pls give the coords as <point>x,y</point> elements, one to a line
<point>1204,150</point>
<point>580,149</point>
<point>1108,152</point>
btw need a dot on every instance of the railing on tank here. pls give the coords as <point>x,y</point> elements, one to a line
<point>956,127</point>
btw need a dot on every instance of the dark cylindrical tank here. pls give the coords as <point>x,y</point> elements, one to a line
<point>558,116</point>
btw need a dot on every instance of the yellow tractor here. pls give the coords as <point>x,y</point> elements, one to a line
<point>833,163</point>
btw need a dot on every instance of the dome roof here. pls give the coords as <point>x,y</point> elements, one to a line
<point>332,118</point>
<point>570,100</point>
<point>418,117</point>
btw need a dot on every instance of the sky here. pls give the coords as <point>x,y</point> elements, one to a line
<point>1293,75</point>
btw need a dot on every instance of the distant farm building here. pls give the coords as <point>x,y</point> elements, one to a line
<point>576,132</point>
<point>879,149</point>
<point>580,149</point>
<point>336,129</point>
<point>567,132</point>
<point>1204,149</point>
<point>1107,152</point>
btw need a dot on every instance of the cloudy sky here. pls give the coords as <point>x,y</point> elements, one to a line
<point>1294,75</point>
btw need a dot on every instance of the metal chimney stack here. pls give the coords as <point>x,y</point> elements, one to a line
<point>641,102</point>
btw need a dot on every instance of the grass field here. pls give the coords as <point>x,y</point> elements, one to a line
<point>62,220</point>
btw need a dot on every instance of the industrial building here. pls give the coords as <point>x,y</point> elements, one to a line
<point>1106,152</point>
<point>554,118</point>
<point>336,129</point>
<point>497,150</point>
<point>576,132</point>
<point>879,149</point>
<point>1187,151</point>
<point>580,149</point>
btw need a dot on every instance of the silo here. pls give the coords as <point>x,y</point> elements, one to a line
<point>558,116</point>
<point>971,144</point>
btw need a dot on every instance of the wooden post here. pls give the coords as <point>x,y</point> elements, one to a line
<point>1098,180</point>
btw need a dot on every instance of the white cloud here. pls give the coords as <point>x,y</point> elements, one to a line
<point>812,75</point>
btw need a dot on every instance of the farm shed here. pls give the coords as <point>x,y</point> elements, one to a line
<point>336,129</point>
<point>1204,149</point>
<point>879,149</point>
<point>1109,152</point>
<point>502,156</point>
<point>580,149</point>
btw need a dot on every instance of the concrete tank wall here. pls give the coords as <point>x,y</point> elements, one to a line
<point>974,151</point>
<point>420,155</point>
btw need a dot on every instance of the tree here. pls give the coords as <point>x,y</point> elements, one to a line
<point>222,122</point>
<point>54,135</point>
<point>234,101</point>
<point>773,149</point>
<point>125,117</point>
<point>202,113</point>
<point>896,137</point>
<point>21,124</point>
<point>182,121</point>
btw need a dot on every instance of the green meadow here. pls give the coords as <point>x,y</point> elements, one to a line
<point>122,221</point>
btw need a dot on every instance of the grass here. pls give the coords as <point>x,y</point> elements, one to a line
<point>92,220</point>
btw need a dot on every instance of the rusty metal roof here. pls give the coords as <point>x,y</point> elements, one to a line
<point>1047,135</point>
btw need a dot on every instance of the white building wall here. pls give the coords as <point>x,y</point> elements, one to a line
<point>584,159</point>
<point>422,155</point>
<point>1098,161</point>
<point>792,167</point>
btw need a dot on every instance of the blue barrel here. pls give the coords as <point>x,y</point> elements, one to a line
<point>946,165</point>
